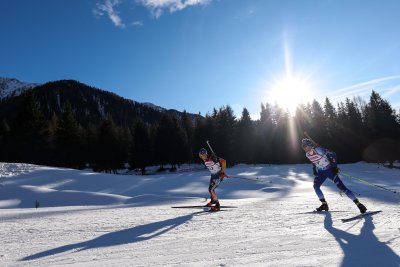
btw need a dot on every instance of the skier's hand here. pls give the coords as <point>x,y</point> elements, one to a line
<point>222,175</point>
<point>315,172</point>
<point>335,170</point>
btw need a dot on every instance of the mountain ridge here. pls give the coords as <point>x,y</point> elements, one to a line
<point>10,87</point>
<point>89,104</point>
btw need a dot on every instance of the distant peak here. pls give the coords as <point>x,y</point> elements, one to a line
<point>10,87</point>
<point>150,105</point>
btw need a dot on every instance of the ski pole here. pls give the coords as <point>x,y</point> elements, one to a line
<point>212,151</point>
<point>368,183</point>
<point>309,137</point>
<point>208,143</point>
<point>251,178</point>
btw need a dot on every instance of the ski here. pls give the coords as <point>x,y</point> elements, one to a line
<point>360,216</point>
<point>204,212</point>
<point>200,207</point>
<point>320,212</point>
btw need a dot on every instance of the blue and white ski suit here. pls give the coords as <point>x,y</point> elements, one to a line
<point>325,166</point>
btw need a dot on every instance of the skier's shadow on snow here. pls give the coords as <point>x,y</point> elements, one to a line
<point>126,236</point>
<point>364,249</point>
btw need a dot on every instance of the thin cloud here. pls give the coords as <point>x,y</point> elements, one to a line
<point>157,7</point>
<point>246,13</point>
<point>137,23</point>
<point>392,91</point>
<point>361,88</point>
<point>107,7</point>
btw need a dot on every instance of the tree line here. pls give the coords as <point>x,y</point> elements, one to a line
<point>355,129</point>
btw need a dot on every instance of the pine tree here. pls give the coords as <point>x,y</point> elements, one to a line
<point>318,122</point>
<point>69,140</point>
<point>91,138</point>
<point>300,123</point>
<point>244,139</point>
<point>164,145</point>
<point>198,136</point>
<point>264,132</point>
<point>329,110</point>
<point>180,151</point>
<point>354,131</point>
<point>109,149</point>
<point>188,129</point>
<point>141,155</point>
<point>354,117</point>
<point>383,130</point>
<point>381,118</point>
<point>281,145</point>
<point>29,133</point>
<point>205,129</point>
<point>4,138</point>
<point>225,124</point>
<point>303,118</point>
<point>330,118</point>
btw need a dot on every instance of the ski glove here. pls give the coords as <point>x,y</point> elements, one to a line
<point>314,169</point>
<point>335,170</point>
<point>222,175</point>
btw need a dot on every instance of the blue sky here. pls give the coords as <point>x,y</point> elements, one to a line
<point>195,55</point>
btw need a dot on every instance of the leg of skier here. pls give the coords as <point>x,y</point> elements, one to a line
<point>348,192</point>
<point>214,182</point>
<point>318,181</point>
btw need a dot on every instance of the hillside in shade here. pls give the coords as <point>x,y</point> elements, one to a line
<point>90,105</point>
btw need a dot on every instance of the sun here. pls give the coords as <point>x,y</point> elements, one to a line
<point>289,92</point>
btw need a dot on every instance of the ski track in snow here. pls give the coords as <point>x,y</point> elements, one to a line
<point>138,227</point>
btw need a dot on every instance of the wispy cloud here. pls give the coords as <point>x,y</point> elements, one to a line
<point>107,7</point>
<point>391,91</point>
<point>365,88</point>
<point>137,23</point>
<point>157,7</point>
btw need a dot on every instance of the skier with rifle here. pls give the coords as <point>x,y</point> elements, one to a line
<point>325,166</point>
<point>217,167</point>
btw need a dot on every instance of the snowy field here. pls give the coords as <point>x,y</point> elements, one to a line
<point>92,219</point>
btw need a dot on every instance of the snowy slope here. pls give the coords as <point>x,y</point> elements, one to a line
<point>92,219</point>
<point>12,87</point>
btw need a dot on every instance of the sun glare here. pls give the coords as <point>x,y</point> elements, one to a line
<point>289,92</point>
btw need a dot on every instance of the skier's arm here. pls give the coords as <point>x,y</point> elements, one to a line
<point>333,160</point>
<point>331,157</point>
<point>321,151</point>
<point>223,167</point>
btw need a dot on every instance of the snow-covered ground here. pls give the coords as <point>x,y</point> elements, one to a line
<point>92,219</point>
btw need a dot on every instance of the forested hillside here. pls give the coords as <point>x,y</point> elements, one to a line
<point>69,124</point>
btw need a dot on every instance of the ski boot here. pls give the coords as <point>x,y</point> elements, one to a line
<point>217,207</point>
<point>323,207</point>
<point>360,206</point>
<point>212,203</point>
